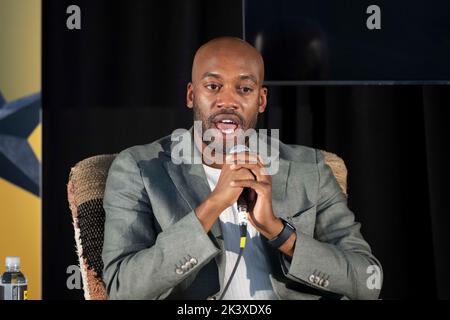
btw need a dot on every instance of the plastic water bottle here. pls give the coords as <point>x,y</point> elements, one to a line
<point>13,284</point>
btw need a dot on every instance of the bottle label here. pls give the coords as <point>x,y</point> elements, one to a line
<point>14,292</point>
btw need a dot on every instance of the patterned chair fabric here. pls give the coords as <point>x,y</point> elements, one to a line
<point>85,192</point>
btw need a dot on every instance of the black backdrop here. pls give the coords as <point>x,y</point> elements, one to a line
<point>121,80</point>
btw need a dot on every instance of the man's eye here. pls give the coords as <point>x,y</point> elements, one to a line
<point>213,87</point>
<point>245,89</point>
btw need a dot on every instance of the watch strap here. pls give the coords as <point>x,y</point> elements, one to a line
<point>281,238</point>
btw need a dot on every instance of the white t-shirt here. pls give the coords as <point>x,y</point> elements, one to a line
<point>251,280</point>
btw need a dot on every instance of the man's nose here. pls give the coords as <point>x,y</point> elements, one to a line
<point>227,98</point>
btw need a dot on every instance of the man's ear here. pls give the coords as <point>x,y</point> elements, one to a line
<point>262,102</point>
<point>190,95</point>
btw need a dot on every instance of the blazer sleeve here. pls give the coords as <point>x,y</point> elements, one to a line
<point>139,262</point>
<point>337,259</point>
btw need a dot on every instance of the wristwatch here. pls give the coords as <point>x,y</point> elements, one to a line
<point>281,238</point>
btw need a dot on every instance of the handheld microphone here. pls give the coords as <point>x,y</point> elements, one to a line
<point>243,207</point>
<point>244,198</point>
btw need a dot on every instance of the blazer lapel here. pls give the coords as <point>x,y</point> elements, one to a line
<point>279,184</point>
<point>279,179</point>
<point>190,181</point>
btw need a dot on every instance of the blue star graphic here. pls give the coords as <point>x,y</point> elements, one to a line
<point>18,163</point>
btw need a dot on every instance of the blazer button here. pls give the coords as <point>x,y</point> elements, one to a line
<point>325,283</point>
<point>311,278</point>
<point>189,265</point>
<point>179,271</point>
<point>193,261</point>
<point>184,267</point>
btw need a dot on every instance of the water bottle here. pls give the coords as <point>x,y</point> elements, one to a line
<point>13,284</point>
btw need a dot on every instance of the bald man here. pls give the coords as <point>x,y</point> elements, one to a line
<point>172,230</point>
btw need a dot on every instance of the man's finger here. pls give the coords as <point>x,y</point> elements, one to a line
<point>259,171</point>
<point>259,187</point>
<point>243,157</point>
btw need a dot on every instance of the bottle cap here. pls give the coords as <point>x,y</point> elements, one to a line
<point>12,262</point>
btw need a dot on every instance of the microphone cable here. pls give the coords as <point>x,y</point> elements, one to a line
<point>242,217</point>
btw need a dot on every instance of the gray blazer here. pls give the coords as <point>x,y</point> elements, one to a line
<point>155,247</point>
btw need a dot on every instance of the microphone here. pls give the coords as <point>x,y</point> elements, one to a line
<point>243,207</point>
<point>243,202</point>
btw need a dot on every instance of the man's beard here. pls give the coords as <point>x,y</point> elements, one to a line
<point>208,122</point>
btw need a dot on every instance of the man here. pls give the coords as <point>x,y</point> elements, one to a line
<point>170,229</point>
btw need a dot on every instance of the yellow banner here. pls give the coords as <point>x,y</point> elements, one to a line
<point>20,76</point>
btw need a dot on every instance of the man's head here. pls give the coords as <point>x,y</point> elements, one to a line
<point>226,90</point>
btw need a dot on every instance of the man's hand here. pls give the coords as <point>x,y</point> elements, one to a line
<point>245,170</point>
<point>224,192</point>
<point>261,216</point>
<point>223,195</point>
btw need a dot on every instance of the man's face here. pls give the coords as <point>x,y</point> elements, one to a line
<point>226,92</point>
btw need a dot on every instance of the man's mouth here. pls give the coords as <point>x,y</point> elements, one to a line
<point>227,124</point>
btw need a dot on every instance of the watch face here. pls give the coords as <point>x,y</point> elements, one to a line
<point>288,224</point>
